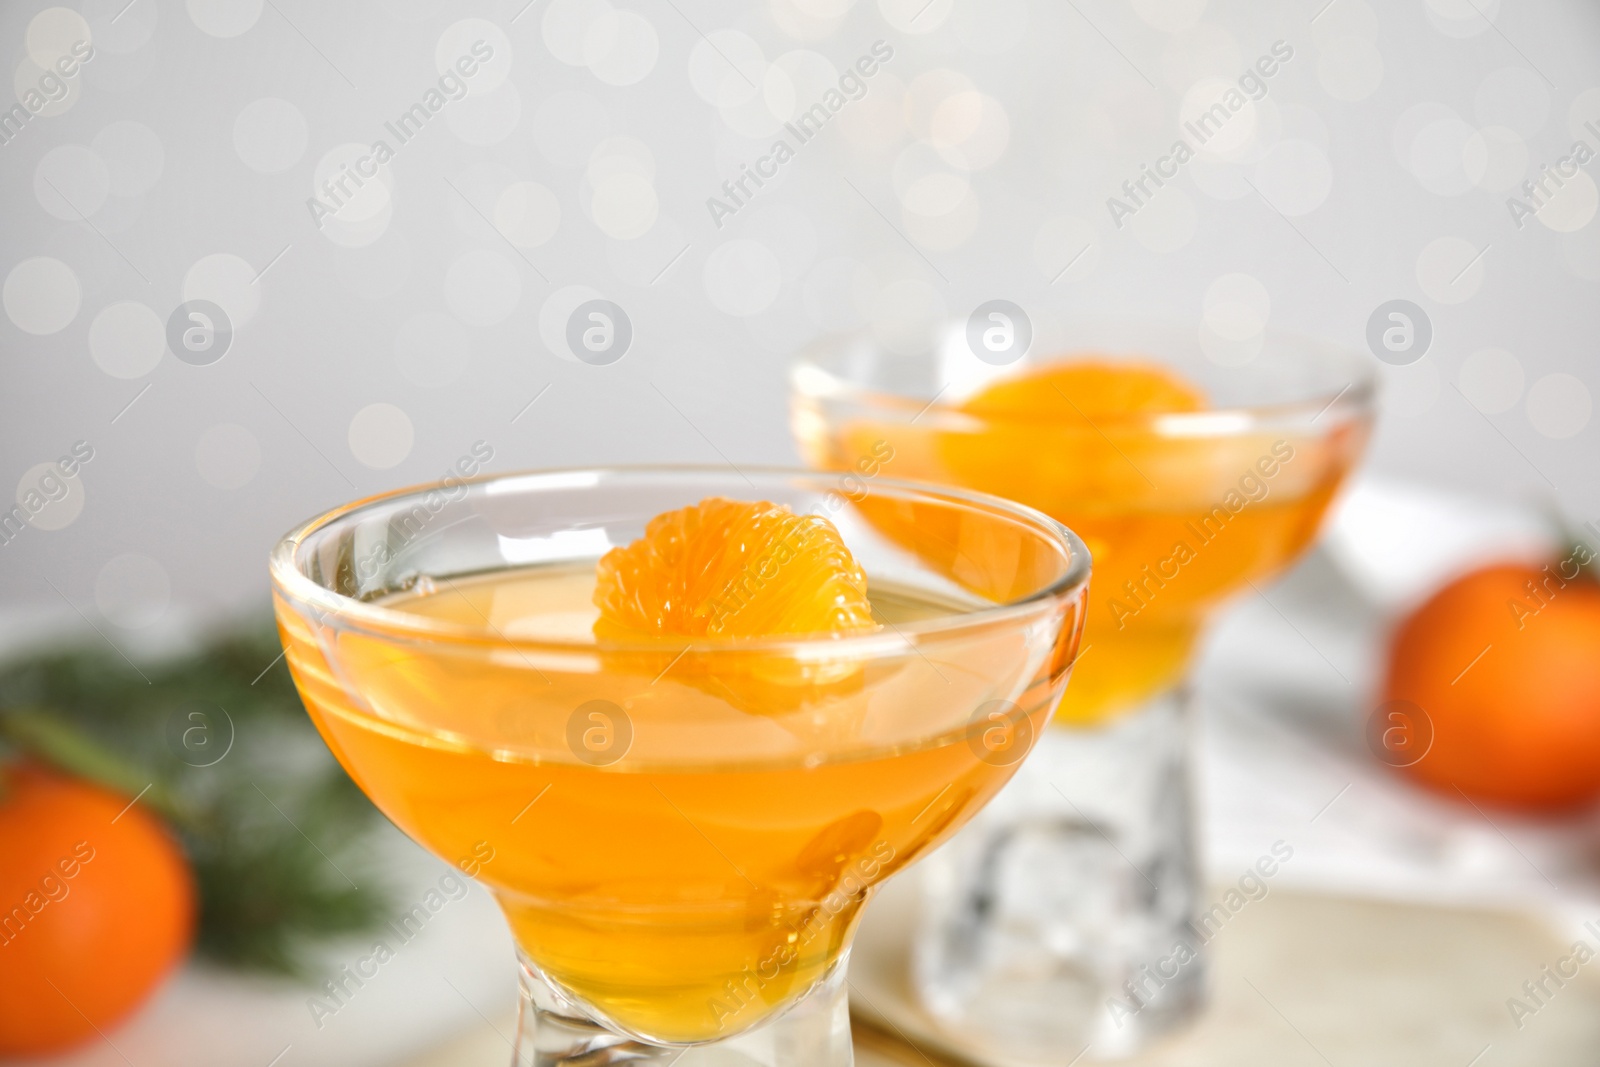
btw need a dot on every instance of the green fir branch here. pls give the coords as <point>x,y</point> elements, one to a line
<point>278,836</point>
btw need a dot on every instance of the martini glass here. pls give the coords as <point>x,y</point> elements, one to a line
<point>681,833</point>
<point>1056,918</point>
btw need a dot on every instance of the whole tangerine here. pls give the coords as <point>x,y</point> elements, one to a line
<point>97,905</point>
<point>1504,663</point>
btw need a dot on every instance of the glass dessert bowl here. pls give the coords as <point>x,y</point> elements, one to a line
<point>1190,481</point>
<point>684,830</point>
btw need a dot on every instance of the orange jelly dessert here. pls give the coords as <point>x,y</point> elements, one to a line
<point>1180,506</point>
<point>686,806</point>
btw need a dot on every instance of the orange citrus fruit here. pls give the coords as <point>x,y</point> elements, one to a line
<point>1075,433</point>
<point>1082,390</point>
<point>735,569</point>
<point>99,905</point>
<point>1502,665</point>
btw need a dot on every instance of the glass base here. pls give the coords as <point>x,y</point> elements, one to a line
<point>554,1031</point>
<point>1060,917</point>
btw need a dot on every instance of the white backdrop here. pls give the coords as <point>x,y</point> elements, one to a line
<point>571,156</point>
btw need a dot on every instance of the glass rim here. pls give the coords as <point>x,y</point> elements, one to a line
<point>810,376</point>
<point>298,588</point>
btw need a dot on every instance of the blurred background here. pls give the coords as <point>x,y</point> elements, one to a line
<point>369,316</point>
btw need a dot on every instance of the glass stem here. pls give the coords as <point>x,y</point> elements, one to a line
<point>553,1031</point>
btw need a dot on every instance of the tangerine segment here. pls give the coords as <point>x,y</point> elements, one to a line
<point>1076,431</point>
<point>1084,389</point>
<point>732,568</point>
